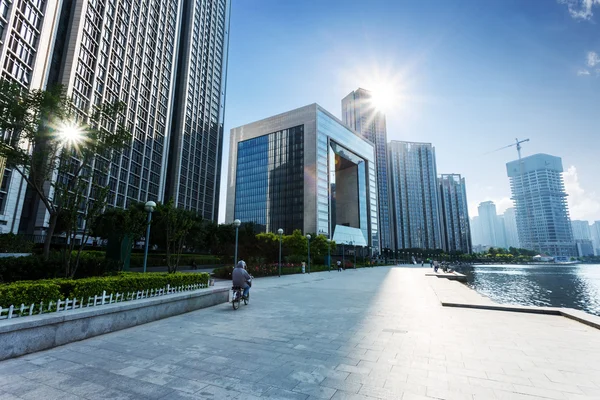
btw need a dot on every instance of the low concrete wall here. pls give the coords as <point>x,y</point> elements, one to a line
<point>26,335</point>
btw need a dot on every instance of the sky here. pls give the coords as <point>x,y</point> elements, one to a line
<point>469,76</point>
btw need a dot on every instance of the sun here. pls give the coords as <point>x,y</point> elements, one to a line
<point>383,98</point>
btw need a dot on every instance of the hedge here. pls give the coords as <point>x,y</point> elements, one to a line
<point>160,260</point>
<point>286,269</point>
<point>33,292</point>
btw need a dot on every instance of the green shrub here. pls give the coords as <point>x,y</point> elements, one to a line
<point>28,293</point>
<point>160,260</point>
<point>32,292</point>
<point>11,243</point>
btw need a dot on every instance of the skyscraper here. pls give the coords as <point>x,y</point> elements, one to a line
<point>491,230</point>
<point>360,114</point>
<point>510,228</point>
<point>166,60</point>
<point>414,194</point>
<point>538,192</point>
<point>196,144</point>
<point>26,42</point>
<point>595,233</point>
<point>581,230</point>
<point>456,231</point>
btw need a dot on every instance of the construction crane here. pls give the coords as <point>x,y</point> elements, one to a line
<point>516,143</point>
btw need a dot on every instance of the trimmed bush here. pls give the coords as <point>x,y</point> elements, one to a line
<point>28,293</point>
<point>32,292</point>
<point>160,260</point>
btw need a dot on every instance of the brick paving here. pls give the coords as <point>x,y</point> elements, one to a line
<point>360,334</point>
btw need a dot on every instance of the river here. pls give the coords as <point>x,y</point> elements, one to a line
<point>574,286</point>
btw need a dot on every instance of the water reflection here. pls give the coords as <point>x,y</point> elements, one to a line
<point>574,286</point>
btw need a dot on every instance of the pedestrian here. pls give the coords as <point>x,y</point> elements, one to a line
<point>431,262</point>
<point>194,265</point>
<point>422,262</point>
<point>339,265</point>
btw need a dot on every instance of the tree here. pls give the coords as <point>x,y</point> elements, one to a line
<point>318,247</point>
<point>62,153</point>
<point>174,226</point>
<point>296,246</point>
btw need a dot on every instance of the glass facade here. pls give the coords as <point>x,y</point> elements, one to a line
<point>335,136</point>
<point>270,180</point>
<point>414,195</point>
<point>456,232</point>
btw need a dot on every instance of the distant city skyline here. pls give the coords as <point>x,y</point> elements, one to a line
<point>465,79</point>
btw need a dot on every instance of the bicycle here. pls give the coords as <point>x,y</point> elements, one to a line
<point>237,297</point>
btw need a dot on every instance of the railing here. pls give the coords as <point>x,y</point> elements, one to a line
<point>99,300</point>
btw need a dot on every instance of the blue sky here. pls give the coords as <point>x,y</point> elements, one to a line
<point>469,77</point>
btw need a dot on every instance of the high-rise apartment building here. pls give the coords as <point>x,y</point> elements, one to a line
<point>595,233</point>
<point>490,228</point>
<point>476,234</point>
<point>304,170</point>
<point>510,228</point>
<point>414,195</point>
<point>581,230</point>
<point>166,60</point>
<point>360,114</point>
<point>539,196</point>
<point>456,231</point>
<point>27,29</point>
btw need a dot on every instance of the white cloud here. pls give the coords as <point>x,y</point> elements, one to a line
<point>583,72</point>
<point>582,205</point>
<point>581,9</point>
<point>592,59</point>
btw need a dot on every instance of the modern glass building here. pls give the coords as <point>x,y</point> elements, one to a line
<point>196,143</point>
<point>456,230</point>
<point>360,114</point>
<point>26,42</point>
<point>538,192</point>
<point>166,60</point>
<point>414,194</point>
<point>510,228</point>
<point>305,170</point>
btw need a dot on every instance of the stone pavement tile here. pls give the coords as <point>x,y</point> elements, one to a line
<point>536,391</point>
<point>145,375</point>
<point>331,372</point>
<point>590,391</point>
<point>376,366</point>
<point>251,388</point>
<point>215,392</point>
<point>316,391</point>
<point>428,382</point>
<point>8,396</point>
<point>503,395</point>
<point>342,395</point>
<point>48,393</point>
<point>353,369</point>
<point>308,377</point>
<point>509,378</point>
<point>380,393</point>
<point>18,386</point>
<point>491,384</point>
<point>185,385</point>
<point>562,387</point>
<point>405,387</point>
<point>344,385</point>
<point>446,394</point>
<point>278,381</point>
<point>277,393</point>
<point>374,381</point>
<point>448,377</point>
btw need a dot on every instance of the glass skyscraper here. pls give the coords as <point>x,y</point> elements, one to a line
<point>26,43</point>
<point>414,194</point>
<point>538,192</point>
<point>166,60</point>
<point>304,170</point>
<point>359,114</point>
<point>456,231</point>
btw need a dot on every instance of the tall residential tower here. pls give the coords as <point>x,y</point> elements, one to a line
<point>456,231</point>
<point>538,192</point>
<point>360,114</point>
<point>414,194</point>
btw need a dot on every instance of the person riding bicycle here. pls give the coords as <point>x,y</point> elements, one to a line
<point>241,277</point>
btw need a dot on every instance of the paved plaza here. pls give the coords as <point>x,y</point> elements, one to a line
<point>376,333</point>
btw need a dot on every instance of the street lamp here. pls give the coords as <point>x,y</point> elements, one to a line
<point>329,255</point>
<point>149,207</point>
<point>237,224</point>
<point>343,256</point>
<point>280,231</point>
<point>308,240</point>
<point>354,247</point>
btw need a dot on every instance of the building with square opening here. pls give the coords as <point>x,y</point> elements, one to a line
<point>304,170</point>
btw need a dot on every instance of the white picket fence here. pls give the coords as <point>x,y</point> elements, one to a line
<point>103,299</point>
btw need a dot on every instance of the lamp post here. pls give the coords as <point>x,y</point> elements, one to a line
<point>237,224</point>
<point>149,207</point>
<point>308,240</point>
<point>354,246</point>
<point>329,255</point>
<point>280,231</point>
<point>343,256</point>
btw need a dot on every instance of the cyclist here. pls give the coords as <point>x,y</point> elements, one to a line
<point>241,278</point>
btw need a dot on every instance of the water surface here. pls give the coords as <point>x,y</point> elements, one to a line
<point>574,286</point>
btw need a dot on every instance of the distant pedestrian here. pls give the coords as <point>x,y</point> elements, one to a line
<point>422,262</point>
<point>194,265</point>
<point>431,263</point>
<point>339,265</point>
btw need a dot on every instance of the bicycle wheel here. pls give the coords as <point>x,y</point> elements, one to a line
<point>236,301</point>
<point>247,299</point>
